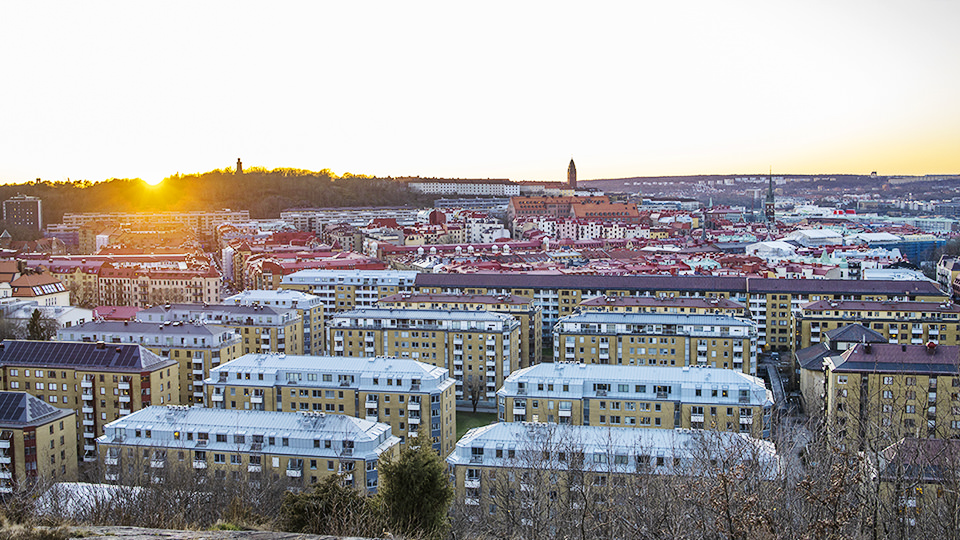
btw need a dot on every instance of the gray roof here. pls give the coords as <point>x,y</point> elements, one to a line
<point>142,328</point>
<point>696,284</point>
<point>20,408</point>
<point>855,333</point>
<point>364,369</point>
<point>78,355</point>
<point>897,358</point>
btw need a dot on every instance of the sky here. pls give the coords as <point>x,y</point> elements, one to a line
<point>514,89</point>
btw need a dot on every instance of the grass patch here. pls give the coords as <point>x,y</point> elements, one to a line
<point>469,420</point>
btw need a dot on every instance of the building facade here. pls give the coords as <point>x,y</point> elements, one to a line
<point>877,394</point>
<point>37,440</point>
<point>657,339</point>
<point>477,347</point>
<point>262,328</point>
<point>196,348</point>
<point>647,397</point>
<point>518,307</point>
<point>24,210</point>
<point>407,395</point>
<point>899,322</point>
<point>299,449</point>
<point>309,306</point>
<point>99,383</point>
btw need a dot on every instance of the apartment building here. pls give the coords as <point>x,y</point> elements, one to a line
<point>657,339</point>
<point>99,383</point>
<point>523,467</point>
<point>343,290</point>
<point>120,284</point>
<point>196,348</point>
<point>520,308</point>
<point>770,302</point>
<point>23,211</point>
<point>899,322</point>
<point>405,394</point>
<point>247,446</point>
<point>809,361</point>
<point>204,222</point>
<point>262,328</point>
<point>472,345</point>
<point>664,304</point>
<point>308,306</point>
<point>37,440</point>
<point>647,397</point>
<point>879,393</point>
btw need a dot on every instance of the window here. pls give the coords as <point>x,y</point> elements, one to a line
<point>841,379</point>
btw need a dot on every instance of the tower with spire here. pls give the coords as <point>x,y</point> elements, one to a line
<point>769,208</point>
<point>572,175</point>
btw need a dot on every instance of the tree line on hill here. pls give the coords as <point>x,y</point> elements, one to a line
<point>265,193</point>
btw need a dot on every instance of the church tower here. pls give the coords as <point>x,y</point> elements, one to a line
<point>769,209</point>
<point>572,175</point>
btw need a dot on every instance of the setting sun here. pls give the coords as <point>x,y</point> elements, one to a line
<point>152,181</point>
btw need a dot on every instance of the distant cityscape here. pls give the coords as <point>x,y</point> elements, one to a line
<point>678,327</point>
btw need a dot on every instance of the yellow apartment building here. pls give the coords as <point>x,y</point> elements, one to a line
<point>899,322</point>
<point>472,345</point>
<point>878,393</point>
<point>521,308</point>
<point>308,306</point>
<point>657,339</point>
<point>407,395</point>
<point>99,382</point>
<point>37,441</point>
<point>645,397</point>
<point>248,446</point>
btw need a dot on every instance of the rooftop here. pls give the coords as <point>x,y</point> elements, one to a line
<point>896,358</point>
<point>83,356</point>
<point>22,409</point>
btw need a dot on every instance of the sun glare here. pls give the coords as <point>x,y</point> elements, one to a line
<point>152,181</point>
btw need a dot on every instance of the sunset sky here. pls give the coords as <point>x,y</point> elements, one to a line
<point>97,90</point>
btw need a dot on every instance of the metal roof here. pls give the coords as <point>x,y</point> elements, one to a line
<point>79,355</point>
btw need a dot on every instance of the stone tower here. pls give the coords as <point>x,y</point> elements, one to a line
<point>572,175</point>
<point>239,167</point>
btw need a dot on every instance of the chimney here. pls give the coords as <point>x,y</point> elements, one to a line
<point>867,349</point>
<point>931,347</point>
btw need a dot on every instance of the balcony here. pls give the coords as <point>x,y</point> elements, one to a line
<point>199,464</point>
<point>746,420</point>
<point>520,409</point>
<point>294,473</point>
<point>372,418</point>
<point>471,502</point>
<point>470,483</point>
<point>5,460</point>
<point>111,477</point>
<point>254,468</point>
<point>86,384</point>
<point>567,412</point>
<point>6,475</point>
<point>124,411</point>
<point>414,420</point>
<point>111,460</point>
<point>4,443</point>
<point>87,396</point>
<point>123,385</point>
<point>158,463</point>
<point>86,409</point>
<point>89,447</point>
<point>124,399</point>
<point>256,399</point>
<point>216,397</point>
<point>198,372</point>
<point>492,364</point>
<point>198,394</point>
<point>413,406</point>
<point>89,422</point>
<point>662,395</point>
<point>696,418</point>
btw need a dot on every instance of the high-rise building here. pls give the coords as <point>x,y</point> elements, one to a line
<point>23,210</point>
<point>572,175</point>
<point>769,208</point>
